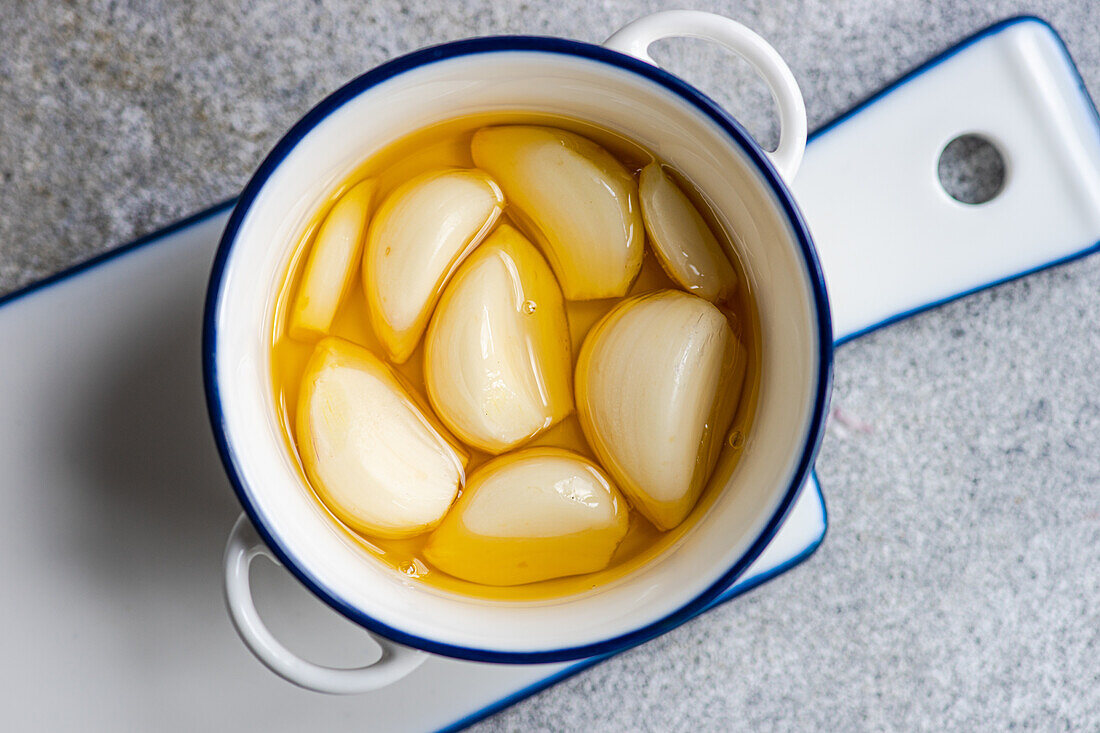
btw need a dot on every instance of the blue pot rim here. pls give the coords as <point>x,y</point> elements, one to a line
<point>576,49</point>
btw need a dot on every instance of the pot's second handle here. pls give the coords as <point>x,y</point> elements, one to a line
<point>636,38</point>
<point>891,241</point>
<point>243,547</point>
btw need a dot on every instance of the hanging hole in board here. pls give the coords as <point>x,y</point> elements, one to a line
<point>971,169</point>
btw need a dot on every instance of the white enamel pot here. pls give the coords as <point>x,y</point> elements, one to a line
<point>619,88</point>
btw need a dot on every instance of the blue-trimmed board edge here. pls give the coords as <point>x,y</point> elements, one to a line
<point>738,589</point>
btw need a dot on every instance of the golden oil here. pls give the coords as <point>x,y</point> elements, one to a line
<point>447,145</point>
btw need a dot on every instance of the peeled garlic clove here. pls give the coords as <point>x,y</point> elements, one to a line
<point>371,455</point>
<point>532,515</point>
<point>333,260</point>
<point>497,359</point>
<point>681,239</point>
<point>575,199</point>
<point>417,238</point>
<point>657,383</point>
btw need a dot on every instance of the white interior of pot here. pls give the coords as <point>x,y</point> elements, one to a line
<point>615,99</point>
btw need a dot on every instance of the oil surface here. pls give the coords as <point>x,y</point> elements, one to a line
<point>448,145</point>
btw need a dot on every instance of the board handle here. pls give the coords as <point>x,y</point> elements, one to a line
<point>891,240</point>
<point>244,546</point>
<point>634,39</point>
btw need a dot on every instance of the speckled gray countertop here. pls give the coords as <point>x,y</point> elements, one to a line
<point>959,585</point>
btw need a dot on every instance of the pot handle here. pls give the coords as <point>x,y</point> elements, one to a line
<point>635,39</point>
<point>243,547</point>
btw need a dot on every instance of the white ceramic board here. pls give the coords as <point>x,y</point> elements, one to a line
<point>117,509</point>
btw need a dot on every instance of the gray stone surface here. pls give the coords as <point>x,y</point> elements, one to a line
<point>959,586</point>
